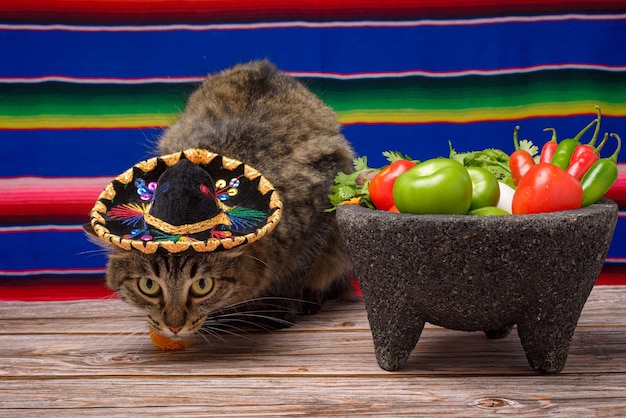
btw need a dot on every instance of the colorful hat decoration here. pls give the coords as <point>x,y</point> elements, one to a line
<point>192,200</point>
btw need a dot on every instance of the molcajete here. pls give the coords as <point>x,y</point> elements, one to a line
<point>477,273</point>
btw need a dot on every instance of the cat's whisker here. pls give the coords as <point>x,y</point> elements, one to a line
<point>256,259</point>
<point>238,332</point>
<point>100,251</point>
<point>270,318</point>
<point>117,341</point>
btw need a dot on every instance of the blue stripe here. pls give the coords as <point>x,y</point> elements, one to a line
<point>68,153</point>
<point>618,245</point>
<point>49,250</point>
<point>343,50</point>
<point>72,250</point>
<point>426,141</point>
<point>108,152</point>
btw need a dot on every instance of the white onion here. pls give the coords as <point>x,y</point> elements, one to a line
<point>506,197</point>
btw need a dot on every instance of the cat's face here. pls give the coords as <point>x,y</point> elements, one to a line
<point>179,292</point>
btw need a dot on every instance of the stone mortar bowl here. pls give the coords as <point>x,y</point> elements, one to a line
<point>477,273</point>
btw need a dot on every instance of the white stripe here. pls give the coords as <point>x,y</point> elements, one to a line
<point>314,25</point>
<point>322,75</point>
<point>40,228</point>
<point>51,272</point>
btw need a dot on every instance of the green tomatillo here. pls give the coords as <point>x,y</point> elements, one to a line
<point>439,185</point>
<point>488,211</point>
<point>485,188</point>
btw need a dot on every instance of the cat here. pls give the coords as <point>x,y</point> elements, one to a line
<point>267,119</point>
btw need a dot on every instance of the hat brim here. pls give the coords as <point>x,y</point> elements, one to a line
<point>121,218</point>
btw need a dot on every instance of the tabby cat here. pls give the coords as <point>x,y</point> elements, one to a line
<point>263,117</point>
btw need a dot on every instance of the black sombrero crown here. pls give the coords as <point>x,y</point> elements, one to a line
<point>192,200</point>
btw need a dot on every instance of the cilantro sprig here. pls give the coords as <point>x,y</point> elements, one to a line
<point>355,185</point>
<point>492,159</point>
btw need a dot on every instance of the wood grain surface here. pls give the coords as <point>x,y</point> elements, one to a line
<point>94,358</point>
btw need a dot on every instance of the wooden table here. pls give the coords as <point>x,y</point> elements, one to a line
<point>94,358</point>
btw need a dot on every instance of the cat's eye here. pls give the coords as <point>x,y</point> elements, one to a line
<point>149,287</point>
<point>202,287</point>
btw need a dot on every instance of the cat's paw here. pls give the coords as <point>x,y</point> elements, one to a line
<point>167,344</point>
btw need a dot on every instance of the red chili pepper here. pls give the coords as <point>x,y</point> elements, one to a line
<point>547,151</point>
<point>585,159</point>
<point>381,185</point>
<point>520,161</point>
<point>590,146</point>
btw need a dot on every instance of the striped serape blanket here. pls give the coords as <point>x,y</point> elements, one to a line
<point>86,87</point>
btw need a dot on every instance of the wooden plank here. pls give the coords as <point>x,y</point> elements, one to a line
<point>94,358</point>
<point>439,352</point>
<point>463,396</point>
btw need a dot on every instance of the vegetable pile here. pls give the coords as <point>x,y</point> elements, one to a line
<point>566,174</point>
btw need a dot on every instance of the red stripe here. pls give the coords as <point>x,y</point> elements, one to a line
<point>25,200</point>
<point>196,11</point>
<point>36,199</point>
<point>612,274</point>
<point>54,289</point>
<point>617,192</point>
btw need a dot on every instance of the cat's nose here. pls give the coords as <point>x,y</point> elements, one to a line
<point>175,329</point>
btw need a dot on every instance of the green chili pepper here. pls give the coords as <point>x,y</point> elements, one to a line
<point>600,176</point>
<point>563,153</point>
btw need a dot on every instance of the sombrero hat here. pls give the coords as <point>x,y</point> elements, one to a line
<point>190,201</point>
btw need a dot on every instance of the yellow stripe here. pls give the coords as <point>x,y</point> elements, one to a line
<point>81,121</point>
<point>479,114</point>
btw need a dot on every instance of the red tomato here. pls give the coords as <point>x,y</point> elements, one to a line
<point>381,185</point>
<point>547,188</point>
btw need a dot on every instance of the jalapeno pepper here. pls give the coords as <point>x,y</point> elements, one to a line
<point>563,153</point>
<point>601,176</point>
<point>520,160</point>
<point>547,151</point>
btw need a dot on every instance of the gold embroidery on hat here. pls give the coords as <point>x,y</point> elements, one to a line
<point>250,172</point>
<point>108,193</point>
<point>264,186</point>
<point>230,164</point>
<point>147,165</point>
<point>199,156</point>
<point>126,177</point>
<point>171,159</point>
<point>219,219</point>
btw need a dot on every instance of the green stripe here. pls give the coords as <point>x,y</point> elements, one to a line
<point>473,91</point>
<point>94,100</point>
<point>543,90</point>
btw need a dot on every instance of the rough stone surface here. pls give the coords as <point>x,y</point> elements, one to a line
<point>477,273</point>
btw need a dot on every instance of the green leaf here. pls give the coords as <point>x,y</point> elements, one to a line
<point>360,163</point>
<point>395,156</point>
<point>527,145</point>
